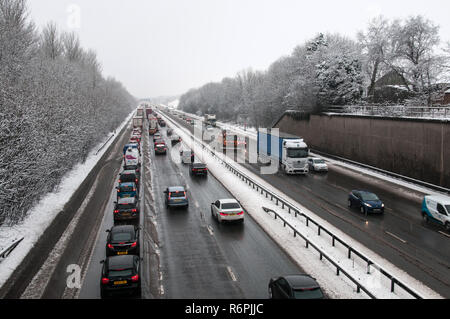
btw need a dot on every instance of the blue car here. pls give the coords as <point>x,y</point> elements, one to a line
<point>127,190</point>
<point>176,196</point>
<point>366,201</point>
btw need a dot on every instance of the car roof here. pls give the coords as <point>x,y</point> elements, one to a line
<point>301,281</point>
<point>442,199</point>
<point>123,229</point>
<point>228,200</point>
<point>126,200</point>
<point>128,171</point>
<point>122,261</point>
<point>176,188</point>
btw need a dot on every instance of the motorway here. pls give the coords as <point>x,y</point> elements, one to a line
<point>399,236</point>
<point>186,254</point>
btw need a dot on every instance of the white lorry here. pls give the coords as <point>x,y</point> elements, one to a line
<point>290,151</point>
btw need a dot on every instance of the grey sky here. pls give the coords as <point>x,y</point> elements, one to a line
<point>167,47</point>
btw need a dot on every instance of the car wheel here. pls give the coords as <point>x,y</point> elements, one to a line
<point>349,203</point>
<point>447,226</point>
<point>425,218</point>
<point>270,293</point>
<point>363,210</point>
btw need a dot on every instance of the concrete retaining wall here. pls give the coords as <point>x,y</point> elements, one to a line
<point>416,148</point>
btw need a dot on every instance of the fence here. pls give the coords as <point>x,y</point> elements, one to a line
<point>6,252</point>
<point>395,111</point>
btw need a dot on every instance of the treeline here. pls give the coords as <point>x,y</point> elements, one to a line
<point>331,69</point>
<point>55,106</point>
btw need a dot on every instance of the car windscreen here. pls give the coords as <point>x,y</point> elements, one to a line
<point>120,273</point>
<point>369,196</point>
<point>319,161</point>
<point>297,152</point>
<point>177,194</point>
<point>195,165</point>
<point>121,237</point>
<point>308,293</point>
<point>447,208</point>
<point>230,205</point>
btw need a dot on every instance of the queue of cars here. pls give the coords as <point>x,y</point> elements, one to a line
<point>121,267</point>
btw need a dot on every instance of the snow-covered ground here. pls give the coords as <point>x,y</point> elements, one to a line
<point>44,212</point>
<point>335,286</point>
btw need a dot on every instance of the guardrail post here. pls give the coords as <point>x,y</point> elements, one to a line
<point>349,252</point>
<point>318,231</point>
<point>332,240</point>
<point>392,284</point>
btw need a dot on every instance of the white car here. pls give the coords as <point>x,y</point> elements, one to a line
<point>132,157</point>
<point>227,210</point>
<point>317,164</point>
<point>157,136</point>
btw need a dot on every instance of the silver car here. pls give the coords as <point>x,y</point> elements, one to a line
<point>317,164</point>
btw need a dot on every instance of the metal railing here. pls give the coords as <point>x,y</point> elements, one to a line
<point>297,212</point>
<point>442,112</point>
<point>6,252</point>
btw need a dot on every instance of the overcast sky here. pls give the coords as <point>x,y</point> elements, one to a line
<point>167,47</point>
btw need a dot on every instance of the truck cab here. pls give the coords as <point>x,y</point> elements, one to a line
<point>295,155</point>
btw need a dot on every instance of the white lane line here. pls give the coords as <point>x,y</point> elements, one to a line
<point>396,237</point>
<point>210,230</point>
<point>444,234</point>
<point>232,275</point>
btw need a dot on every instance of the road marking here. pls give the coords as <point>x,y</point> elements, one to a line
<point>210,230</point>
<point>232,275</point>
<point>445,234</point>
<point>395,236</point>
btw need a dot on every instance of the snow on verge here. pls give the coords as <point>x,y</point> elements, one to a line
<point>45,211</point>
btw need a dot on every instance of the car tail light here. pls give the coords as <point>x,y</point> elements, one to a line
<point>223,214</point>
<point>241,213</point>
<point>120,181</point>
<point>136,180</point>
<point>134,244</point>
<point>135,278</point>
<point>134,210</point>
<point>105,281</point>
<point>110,246</point>
<point>116,211</point>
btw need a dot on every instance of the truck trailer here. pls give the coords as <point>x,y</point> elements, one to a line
<point>290,151</point>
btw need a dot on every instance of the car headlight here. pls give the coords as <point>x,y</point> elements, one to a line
<point>382,205</point>
<point>368,205</point>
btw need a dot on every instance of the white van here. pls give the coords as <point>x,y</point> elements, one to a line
<point>186,156</point>
<point>132,157</point>
<point>436,208</point>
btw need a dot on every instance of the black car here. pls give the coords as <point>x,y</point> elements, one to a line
<point>126,208</point>
<point>198,169</point>
<point>169,132</point>
<point>162,123</point>
<point>122,240</point>
<point>120,274</point>
<point>175,139</point>
<point>300,286</point>
<point>367,202</point>
<point>129,176</point>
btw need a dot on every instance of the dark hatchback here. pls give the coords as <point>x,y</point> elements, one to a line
<point>300,286</point>
<point>126,208</point>
<point>198,169</point>
<point>129,176</point>
<point>122,240</point>
<point>120,275</point>
<point>367,202</point>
